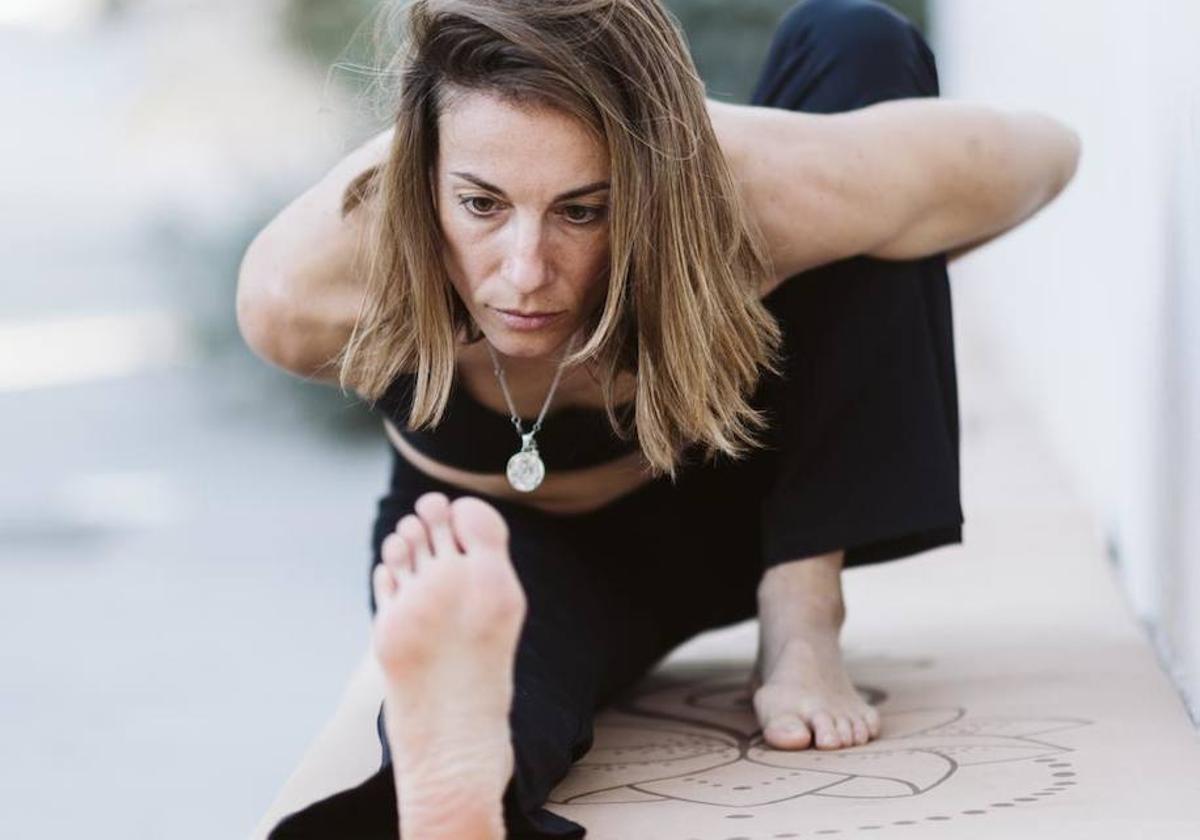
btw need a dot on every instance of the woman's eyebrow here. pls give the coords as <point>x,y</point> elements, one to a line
<point>595,186</point>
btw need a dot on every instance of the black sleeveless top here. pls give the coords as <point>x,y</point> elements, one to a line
<point>473,437</point>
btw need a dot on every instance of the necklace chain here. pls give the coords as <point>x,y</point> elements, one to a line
<point>516,420</point>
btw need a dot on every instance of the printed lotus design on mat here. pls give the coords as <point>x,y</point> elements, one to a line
<point>699,741</point>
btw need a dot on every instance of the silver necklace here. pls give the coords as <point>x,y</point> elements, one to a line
<point>525,469</point>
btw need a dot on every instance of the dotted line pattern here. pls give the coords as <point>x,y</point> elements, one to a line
<point>1063,776</point>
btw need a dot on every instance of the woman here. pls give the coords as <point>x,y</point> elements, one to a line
<point>639,338</point>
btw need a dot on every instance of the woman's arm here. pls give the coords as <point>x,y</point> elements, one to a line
<point>300,281</point>
<point>899,180</point>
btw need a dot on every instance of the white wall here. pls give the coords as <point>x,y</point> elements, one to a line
<point>1095,303</point>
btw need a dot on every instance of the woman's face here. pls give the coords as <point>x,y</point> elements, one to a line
<point>522,198</point>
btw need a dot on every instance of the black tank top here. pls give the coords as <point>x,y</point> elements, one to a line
<point>473,437</point>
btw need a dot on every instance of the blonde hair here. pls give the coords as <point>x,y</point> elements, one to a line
<point>682,310</point>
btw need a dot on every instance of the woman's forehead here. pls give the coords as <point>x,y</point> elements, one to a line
<point>484,131</point>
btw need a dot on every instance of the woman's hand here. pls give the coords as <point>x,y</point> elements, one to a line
<point>899,180</point>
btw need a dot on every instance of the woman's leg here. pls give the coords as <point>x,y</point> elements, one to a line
<point>583,638</point>
<point>867,418</point>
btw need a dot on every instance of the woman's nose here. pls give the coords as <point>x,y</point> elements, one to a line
<point>526,268</point>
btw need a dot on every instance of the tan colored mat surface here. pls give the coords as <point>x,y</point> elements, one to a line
<point>999,721</point>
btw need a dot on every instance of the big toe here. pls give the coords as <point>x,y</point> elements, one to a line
<point>483,535</point>
<point>478,526</point>
<point>787,732</point>
<point>434,510</point>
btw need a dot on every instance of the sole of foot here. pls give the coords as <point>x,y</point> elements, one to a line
<point>449,609</point>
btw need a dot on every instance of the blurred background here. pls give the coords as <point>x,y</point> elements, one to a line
<point>184,530</point>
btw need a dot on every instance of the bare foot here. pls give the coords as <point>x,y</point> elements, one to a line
<point>449,610</point>
<point>803,696</point>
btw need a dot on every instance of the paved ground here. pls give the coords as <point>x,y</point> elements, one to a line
<point>182,592</point>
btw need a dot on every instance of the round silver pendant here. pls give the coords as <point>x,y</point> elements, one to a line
<point>526,470</point>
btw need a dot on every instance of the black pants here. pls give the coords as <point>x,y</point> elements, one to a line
<point>862,456</point>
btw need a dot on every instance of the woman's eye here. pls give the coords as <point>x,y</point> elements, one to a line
<point>582,214</point>
<point>478,205</point>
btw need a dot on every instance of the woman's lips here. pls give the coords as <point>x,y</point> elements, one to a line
<point>532,321</point>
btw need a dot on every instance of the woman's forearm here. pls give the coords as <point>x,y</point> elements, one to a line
<point>901,179</point>
<point>300,282</point>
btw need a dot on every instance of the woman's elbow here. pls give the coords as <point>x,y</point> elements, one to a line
<point>283,332</point>
<point>1038,157</point>
<point>1058,148</point>
<point>262,308</point>
<point>1071,149</point>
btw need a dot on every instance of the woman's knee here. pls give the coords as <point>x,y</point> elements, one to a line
<point>850,26</point>
<point>850,53</point>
